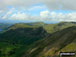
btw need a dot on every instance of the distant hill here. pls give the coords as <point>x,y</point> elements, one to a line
<point>4,25</point>
<point>51,28</point>
<point>37,23</point>
<point>23,33</point>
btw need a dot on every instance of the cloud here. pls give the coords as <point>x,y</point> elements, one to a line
<point>19,16</point>
<point>30,5</point>
<point>44,14</point>
<point>36,8</point>
<point>17,3</point>
<point>60,4</point>
<point>1,11</point>
<point>51,4</point>
<point>8,13</point>
<point>54,16</point>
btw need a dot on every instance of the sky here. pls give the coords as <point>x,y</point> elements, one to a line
<point>37,10</point>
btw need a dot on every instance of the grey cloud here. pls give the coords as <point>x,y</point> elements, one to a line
<point>51,4</point>
<point>60,4</point>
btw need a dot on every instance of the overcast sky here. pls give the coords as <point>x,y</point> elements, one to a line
<point>38,10</point>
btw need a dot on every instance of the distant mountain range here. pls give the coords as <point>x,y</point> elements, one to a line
<point>37,39</point>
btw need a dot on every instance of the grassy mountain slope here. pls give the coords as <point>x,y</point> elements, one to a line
<point>20,36</point>
<point>52,45</point>
<point>34,40</point>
